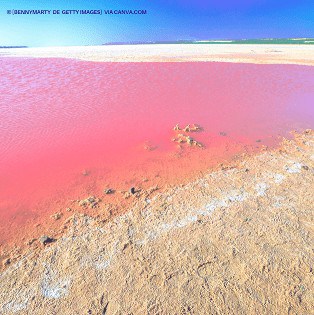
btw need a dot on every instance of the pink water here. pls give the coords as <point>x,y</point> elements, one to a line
<point>61,118</point>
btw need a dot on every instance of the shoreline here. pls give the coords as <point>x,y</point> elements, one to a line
<point>54,222</point>
<point>235,53</point>
<point>255,214</point>
<point>234,123</point>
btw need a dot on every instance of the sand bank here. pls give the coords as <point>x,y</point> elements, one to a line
<point>260,54</point>
<point>235,241</point>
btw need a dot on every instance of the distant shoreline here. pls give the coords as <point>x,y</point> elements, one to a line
<point>235,53</point>
<point>10,47</point>
<point>262,41</point>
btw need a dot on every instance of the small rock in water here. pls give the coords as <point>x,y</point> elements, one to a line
<point>189,140</point>
<point>258,140</point>
<point>222,133</point>
<point>132,190</point>
<point>108,191</point>
<point>149,147</point>
<point>30,242</point>
<point>187,128</point>
<point>192,128</point>
<point>56,216</point>
<point>177,127</point>
<point>46,239</point>
<point>85,173</point>
<point>91,202</point>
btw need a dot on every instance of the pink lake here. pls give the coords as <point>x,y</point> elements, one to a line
<point>71,128</point>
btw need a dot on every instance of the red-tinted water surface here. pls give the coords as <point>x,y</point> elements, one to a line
<point>70,128</point>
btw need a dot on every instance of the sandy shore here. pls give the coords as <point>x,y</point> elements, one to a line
<point>235,241</point>
<point>261,54</point>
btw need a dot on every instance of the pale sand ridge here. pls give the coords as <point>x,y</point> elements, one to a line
<point>260,54</point>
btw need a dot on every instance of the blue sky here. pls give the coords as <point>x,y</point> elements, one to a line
<point>166,20</point>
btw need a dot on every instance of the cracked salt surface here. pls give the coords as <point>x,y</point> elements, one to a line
<point>294,168</point>
<point>279,178</point>
<point>261,189</point>
<point>52,286</point>
<point>55,289</point>
<point>124,229</point>
<point>278,201</point>
<point>14,307</point>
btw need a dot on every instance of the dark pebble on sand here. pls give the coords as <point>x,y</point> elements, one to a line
<point>46,239</point>
<point>305,167</point>
<point>132,190</point>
